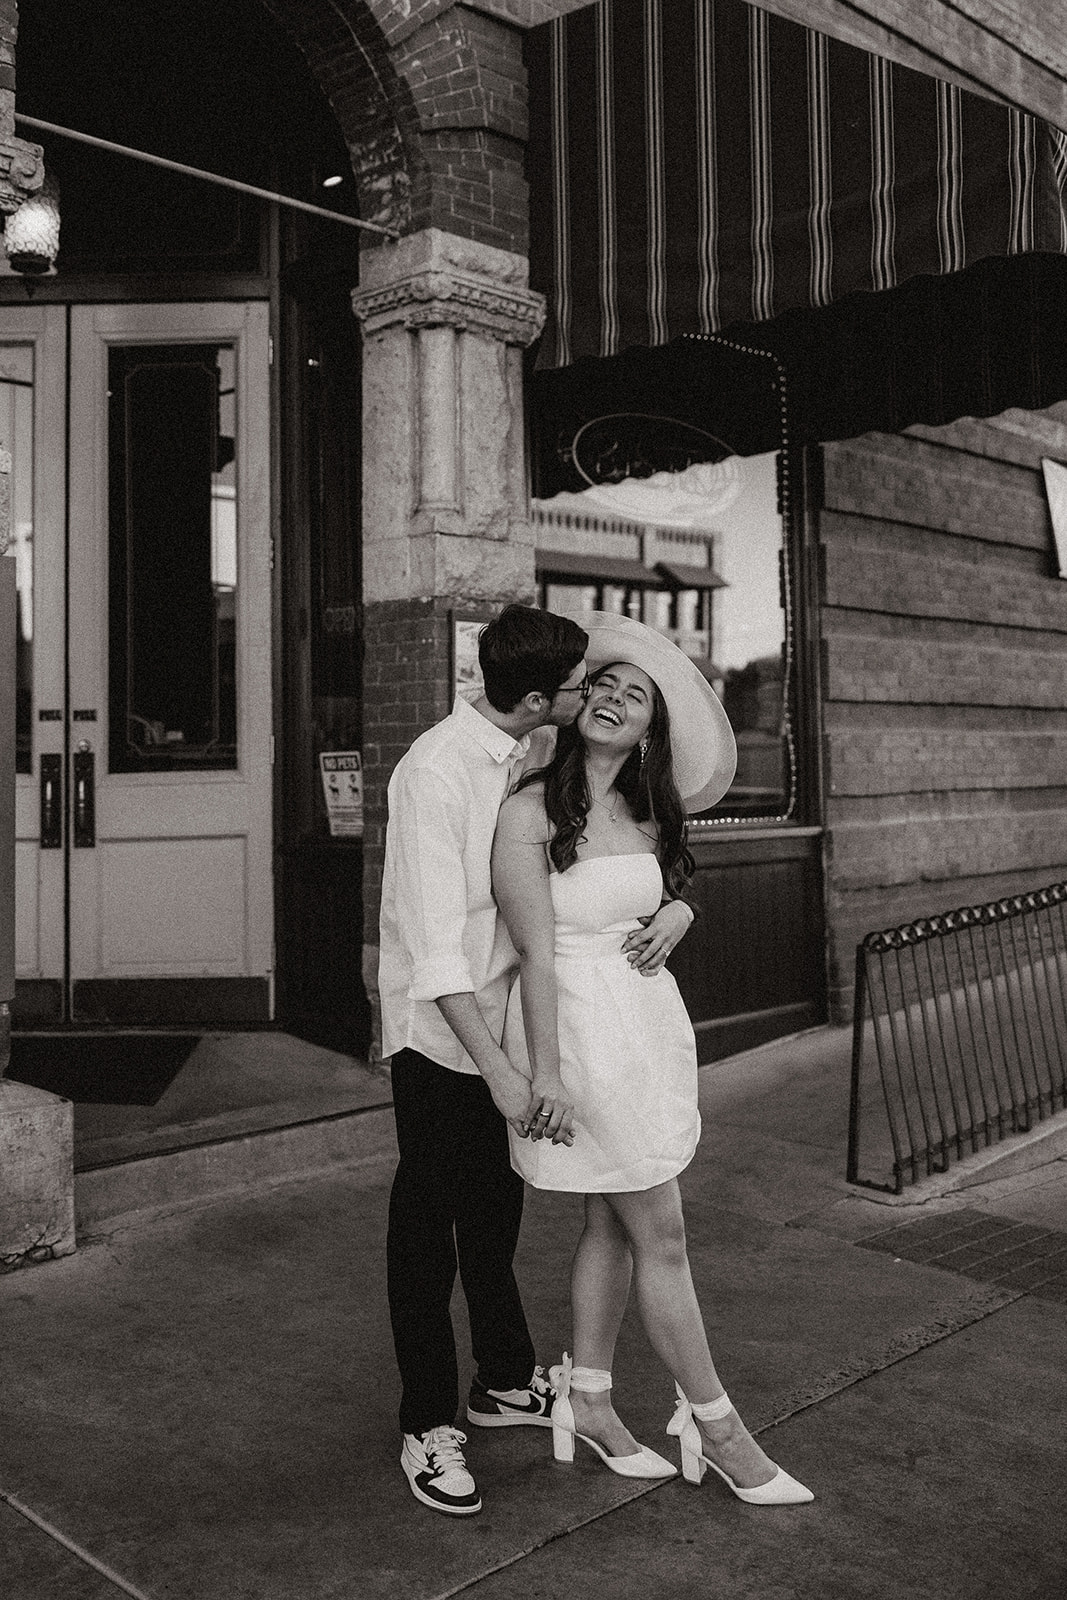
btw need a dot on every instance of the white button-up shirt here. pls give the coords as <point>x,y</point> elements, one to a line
<point>440,933</point>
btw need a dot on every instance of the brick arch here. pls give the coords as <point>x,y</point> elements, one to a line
<point>431,101</point>
<point>348,55</point>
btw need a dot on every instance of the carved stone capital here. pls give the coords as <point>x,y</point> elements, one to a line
<point>21,172</point>
<point>447,298</point>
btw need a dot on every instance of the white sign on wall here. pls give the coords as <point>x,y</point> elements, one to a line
<point>1056,490</point>
<point>342,784</point>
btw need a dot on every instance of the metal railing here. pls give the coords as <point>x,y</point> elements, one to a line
<point>963,1020</point>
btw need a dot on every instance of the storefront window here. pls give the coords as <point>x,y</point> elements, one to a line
<point>706,546</point>
<point>16,437</point>
<point>749,644</point>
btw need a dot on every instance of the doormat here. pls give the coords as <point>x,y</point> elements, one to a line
<point>109,1069</point>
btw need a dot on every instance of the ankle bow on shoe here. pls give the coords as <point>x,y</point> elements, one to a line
<point>683,1414</point>
<point>781,1490</point>
<point>641,1463</point>
<point>560,1377</point>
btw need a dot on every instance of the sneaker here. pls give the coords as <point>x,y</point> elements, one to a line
<point>434,1467</point>
<point>512,1408</point>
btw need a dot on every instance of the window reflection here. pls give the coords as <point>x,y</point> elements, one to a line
<point>704,547</point>
<point>749,631</point>
<point>173,557</point>
<point>16,437</point>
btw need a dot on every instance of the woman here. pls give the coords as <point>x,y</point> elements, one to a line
<point>584,849</point>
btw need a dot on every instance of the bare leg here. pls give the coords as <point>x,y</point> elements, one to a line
<point>670,1312</point>
<point>600,1288</point>
<point>600,1284</point>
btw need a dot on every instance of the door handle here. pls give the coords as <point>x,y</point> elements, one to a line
<point>84,797</point>
<point>51,802</point>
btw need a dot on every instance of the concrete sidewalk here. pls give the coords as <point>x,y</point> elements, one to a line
<point>204,1402</point>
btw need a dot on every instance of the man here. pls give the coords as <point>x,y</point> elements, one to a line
<point>446,966</point>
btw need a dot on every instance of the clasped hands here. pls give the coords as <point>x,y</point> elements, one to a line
<point>539,1110</point>
<point>544,1109</point>
<point>550,1114</point>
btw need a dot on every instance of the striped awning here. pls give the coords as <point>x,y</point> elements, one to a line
<point>699,163</point>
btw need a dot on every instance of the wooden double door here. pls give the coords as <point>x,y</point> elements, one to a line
<point>140,512</point>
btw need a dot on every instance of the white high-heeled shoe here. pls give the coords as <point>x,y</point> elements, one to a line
<point>781,1490</point>
<point>643,1463</point>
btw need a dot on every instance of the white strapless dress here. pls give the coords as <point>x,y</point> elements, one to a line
<point>627,1050</point>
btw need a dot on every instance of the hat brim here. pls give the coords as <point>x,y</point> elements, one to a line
<point>703,751</point>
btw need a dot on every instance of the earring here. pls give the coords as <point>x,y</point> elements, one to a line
<point>644,750</point>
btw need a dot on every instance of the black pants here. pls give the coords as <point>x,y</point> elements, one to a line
<point>455,1198</point>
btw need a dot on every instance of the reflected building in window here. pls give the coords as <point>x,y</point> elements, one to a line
<point>698,555</point>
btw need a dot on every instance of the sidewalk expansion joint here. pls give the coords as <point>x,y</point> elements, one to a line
<point>648,1487</point>
<point>975,1308</point>
<point>83,1555</point>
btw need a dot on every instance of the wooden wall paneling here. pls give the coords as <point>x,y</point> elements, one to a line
<point>978,669</point>
<point>751,968</point>
<point>910,480</point>
<point>944,674</point>
<point>873,565</point>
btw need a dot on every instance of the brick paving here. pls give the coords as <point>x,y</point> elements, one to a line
<point>990,1249</point>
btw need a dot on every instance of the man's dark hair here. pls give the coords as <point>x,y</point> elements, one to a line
<point>525,649</point>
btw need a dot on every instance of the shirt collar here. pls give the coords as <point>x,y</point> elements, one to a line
<point>497,744</point>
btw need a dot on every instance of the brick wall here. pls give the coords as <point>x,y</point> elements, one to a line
<point>476,189</point>
<point>465,71</point>
<point>432,103</point>
<point>944,636</point>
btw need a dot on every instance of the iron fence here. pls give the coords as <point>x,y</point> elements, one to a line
<point>962,1021</point>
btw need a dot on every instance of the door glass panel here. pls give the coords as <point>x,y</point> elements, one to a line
<point>172,491</point>
<point>16,437</point>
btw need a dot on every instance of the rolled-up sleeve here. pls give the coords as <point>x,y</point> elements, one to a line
<point>429,820</point>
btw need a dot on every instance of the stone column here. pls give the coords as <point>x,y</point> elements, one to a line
<point>445,495</point>
<point>21,162</point>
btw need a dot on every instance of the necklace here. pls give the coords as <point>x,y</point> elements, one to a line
<point>612,817</point>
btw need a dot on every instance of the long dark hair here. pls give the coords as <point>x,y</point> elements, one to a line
<point>647,786</point>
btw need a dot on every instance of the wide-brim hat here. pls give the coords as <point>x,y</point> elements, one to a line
<point>702,741</point>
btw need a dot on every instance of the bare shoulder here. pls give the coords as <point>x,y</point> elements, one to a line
<point>523,818</point>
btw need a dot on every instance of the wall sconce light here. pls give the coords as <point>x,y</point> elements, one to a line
<point>31,234</point>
